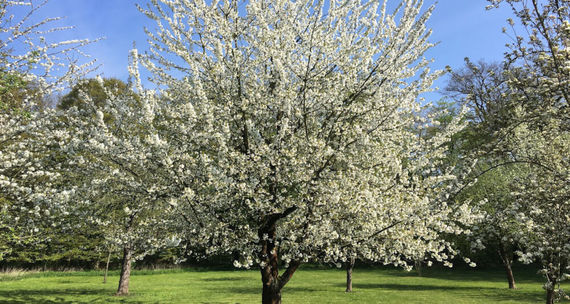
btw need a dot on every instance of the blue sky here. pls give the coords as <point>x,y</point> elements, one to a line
<point>463,28</point>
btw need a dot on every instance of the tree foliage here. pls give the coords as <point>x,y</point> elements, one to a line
<point>304,145</point>
<point>537,133</point>
<point>31,68</point>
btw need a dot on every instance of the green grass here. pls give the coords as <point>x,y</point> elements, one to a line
<point>309,285</point>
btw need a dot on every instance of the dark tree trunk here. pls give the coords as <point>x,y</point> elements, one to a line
<point>125,271</point>
<point>271,294</point>
<point>507,258</point>
<point>269,256</point>
<point>510,276</point>
<point>550,295</point>
<point>107,267</point>
<point>349,267</point>
<point>272,282</point>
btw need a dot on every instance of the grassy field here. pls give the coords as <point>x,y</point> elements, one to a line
<point>309,285</point>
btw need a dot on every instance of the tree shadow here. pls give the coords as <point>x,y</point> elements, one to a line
<point>222,279</point>
<point>408,287</point>
<point>60,296</point>
<point>257,290</point>
<point>524,275</point>
<point>491,294</point>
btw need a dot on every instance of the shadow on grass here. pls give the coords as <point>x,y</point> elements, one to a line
<point>492,294</point>
<point>257,290</point>
<point>525,275</point>
<point>52,296</point>
<point>223,279</point>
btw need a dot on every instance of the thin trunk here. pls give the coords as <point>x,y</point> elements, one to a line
<point>510,276</point>
<point>418,265</point>
<point>507,259</point>
<point>349,267</point>
<point>125,271</point>
<point>107,267</point>
<point>550,295</point>
<point>96,266</point>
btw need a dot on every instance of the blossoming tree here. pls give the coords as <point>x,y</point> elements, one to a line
<point>124,173</point>
<point>32,67</point>
<point>538,133</point>
<point>303,110</point>
<point>483,88</point>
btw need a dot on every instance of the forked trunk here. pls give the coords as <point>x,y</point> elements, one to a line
<point>125,272</point>
<point>107,267</point>
<point>507,259</point>
<point>269,257</point>
<point>349,267</point>
<point>272,282</point>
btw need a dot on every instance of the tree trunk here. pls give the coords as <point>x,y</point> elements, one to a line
<point>96,266</point>
<point>107,267</point>
<point>271,294</point>
<point>349,267</point>
<point>550,295</point>
<point>507,258</point>
<point>125,271</point>
<point>418,265</point>
<point>269,257</point>
<point>510,276</point>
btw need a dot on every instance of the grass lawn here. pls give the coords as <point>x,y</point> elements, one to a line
<point>308,285</point>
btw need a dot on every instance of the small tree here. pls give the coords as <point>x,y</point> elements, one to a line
<point>484,89</point>
<point>423,237</point>
<point>122,163</point>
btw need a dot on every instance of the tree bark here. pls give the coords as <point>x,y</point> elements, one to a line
<point>107,267</point>
<point>271,294</point>
<point>550,296</point>
<point>507,258</point>
<point>510,276</point>
<point>349,267</point>
<point>269,256</point>
<point>125,272</point>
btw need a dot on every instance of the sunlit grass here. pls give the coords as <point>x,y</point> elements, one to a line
<point>309,285</point>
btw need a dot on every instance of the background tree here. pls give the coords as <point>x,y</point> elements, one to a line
<point>31,192</point>
<point>483,88</point>
<point>122,162</point>
<point>538,133</point>
<point>420,240</point>
<point>97,93</point>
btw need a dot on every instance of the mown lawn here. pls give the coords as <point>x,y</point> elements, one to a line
<point>309,285</point>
